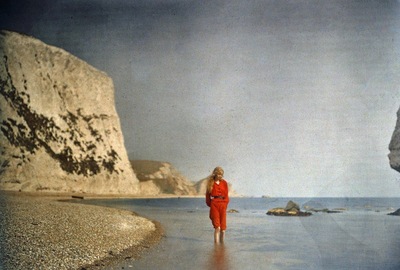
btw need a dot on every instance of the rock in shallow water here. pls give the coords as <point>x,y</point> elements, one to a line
<point>282,212</point>
<point>292,209</point>
<point>395,213</point>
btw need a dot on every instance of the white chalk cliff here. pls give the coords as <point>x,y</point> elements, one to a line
<point>59,129</point>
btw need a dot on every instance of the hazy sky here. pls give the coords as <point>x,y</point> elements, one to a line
<point>291,98</point>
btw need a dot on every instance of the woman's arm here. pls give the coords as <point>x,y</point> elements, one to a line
<point>208,199</point>
<point>226,191</point>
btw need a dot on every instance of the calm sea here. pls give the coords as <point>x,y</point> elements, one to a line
<point>362,236</point>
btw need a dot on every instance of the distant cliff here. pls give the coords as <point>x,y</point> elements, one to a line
<point>201,187</point>
<point>161,178</point>
<point>394,146</point>
<point>59,130</point>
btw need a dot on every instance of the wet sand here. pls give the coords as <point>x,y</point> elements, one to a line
<point>40,231</point>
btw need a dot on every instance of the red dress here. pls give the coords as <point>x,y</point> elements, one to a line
<point>218,201</point>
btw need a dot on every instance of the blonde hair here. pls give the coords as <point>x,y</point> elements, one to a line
<point>211,178</point>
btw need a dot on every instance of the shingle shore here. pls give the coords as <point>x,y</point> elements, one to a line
<point>43,233</point>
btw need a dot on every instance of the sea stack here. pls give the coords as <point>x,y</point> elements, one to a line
<point>394,146</point>
<point>59,129</point>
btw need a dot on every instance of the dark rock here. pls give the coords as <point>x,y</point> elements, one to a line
<point>283,213</point>
<point>395,213</point>
<point>292,209</point>
<point>325,210</point>
<point>292,206</point>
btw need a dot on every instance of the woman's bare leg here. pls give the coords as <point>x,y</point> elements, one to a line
<point>217,235</point>
<point>222,236</point>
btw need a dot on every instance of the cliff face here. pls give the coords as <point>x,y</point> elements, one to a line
<point>394,146</point>
<point>59,130</point>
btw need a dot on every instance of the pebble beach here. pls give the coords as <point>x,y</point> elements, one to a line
<point>44,232</point>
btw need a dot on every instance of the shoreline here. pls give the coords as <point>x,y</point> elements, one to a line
<point>51,231</point>
<point>71,195</point>
<point>131,253</point>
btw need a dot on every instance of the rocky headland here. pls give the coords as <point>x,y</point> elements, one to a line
<point>157,178</point>
<point>161,178</point>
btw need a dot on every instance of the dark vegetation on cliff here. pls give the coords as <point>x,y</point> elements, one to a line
<point>37,131</point>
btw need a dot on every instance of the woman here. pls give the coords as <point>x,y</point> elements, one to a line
<point>217,199</point>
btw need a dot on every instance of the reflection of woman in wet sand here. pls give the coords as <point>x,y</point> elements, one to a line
<point>217,199</point>
<point>218,259</point>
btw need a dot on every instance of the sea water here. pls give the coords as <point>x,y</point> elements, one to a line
<point>361,236</point>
